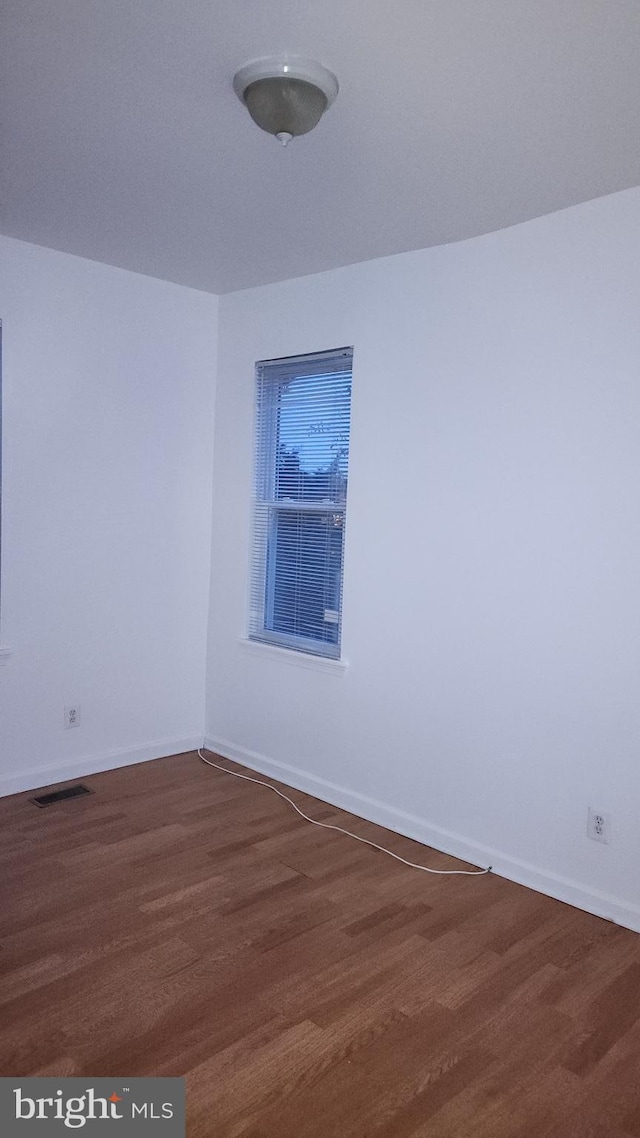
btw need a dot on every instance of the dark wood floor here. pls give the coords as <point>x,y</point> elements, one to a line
<point>181,922</point>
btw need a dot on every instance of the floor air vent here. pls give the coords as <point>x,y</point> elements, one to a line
<point>61,795</point>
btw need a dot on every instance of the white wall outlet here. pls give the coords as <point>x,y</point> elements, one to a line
<point>598,825</point>
<point>72,714</point>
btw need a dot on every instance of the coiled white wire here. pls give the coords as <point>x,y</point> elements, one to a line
<point>339,829</point>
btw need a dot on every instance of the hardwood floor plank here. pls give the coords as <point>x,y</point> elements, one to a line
<point>180,922</point>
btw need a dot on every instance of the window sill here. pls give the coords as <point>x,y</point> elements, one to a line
<point>297,659</point>
<point>4,655</point>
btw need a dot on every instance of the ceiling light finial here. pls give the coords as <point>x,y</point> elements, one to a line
<point>285,96</point>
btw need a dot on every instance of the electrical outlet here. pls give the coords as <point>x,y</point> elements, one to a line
<point>72,715</point>
<point>598,825</point>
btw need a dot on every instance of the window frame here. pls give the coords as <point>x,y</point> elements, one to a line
<point>267,508</point>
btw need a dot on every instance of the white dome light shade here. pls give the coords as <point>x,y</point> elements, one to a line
<point>287,96</point>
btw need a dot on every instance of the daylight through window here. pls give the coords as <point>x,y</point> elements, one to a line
<point>302,457</point>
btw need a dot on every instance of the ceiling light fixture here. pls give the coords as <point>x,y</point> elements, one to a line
<point>285,95</point>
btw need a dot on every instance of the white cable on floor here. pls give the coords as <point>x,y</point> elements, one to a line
<point>339,829</point>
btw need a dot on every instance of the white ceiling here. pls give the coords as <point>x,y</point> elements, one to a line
<point>123,141</point>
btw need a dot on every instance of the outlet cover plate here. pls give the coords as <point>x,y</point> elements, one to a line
<point>598,825</point>
<point>72,714</point>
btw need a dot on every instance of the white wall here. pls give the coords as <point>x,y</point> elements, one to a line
<point>108,427</point>
<point>492,581</point>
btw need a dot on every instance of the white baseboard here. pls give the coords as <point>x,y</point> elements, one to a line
<point>563,889</point>
<point>40,777</point>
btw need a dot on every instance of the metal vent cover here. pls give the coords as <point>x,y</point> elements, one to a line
<point>54,796</point>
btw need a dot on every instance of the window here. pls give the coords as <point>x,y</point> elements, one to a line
<point>302,455</point>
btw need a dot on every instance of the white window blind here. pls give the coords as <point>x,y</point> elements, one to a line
<point>303,407</point>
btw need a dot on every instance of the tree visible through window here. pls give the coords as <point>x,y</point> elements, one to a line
<point>302,456</point>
